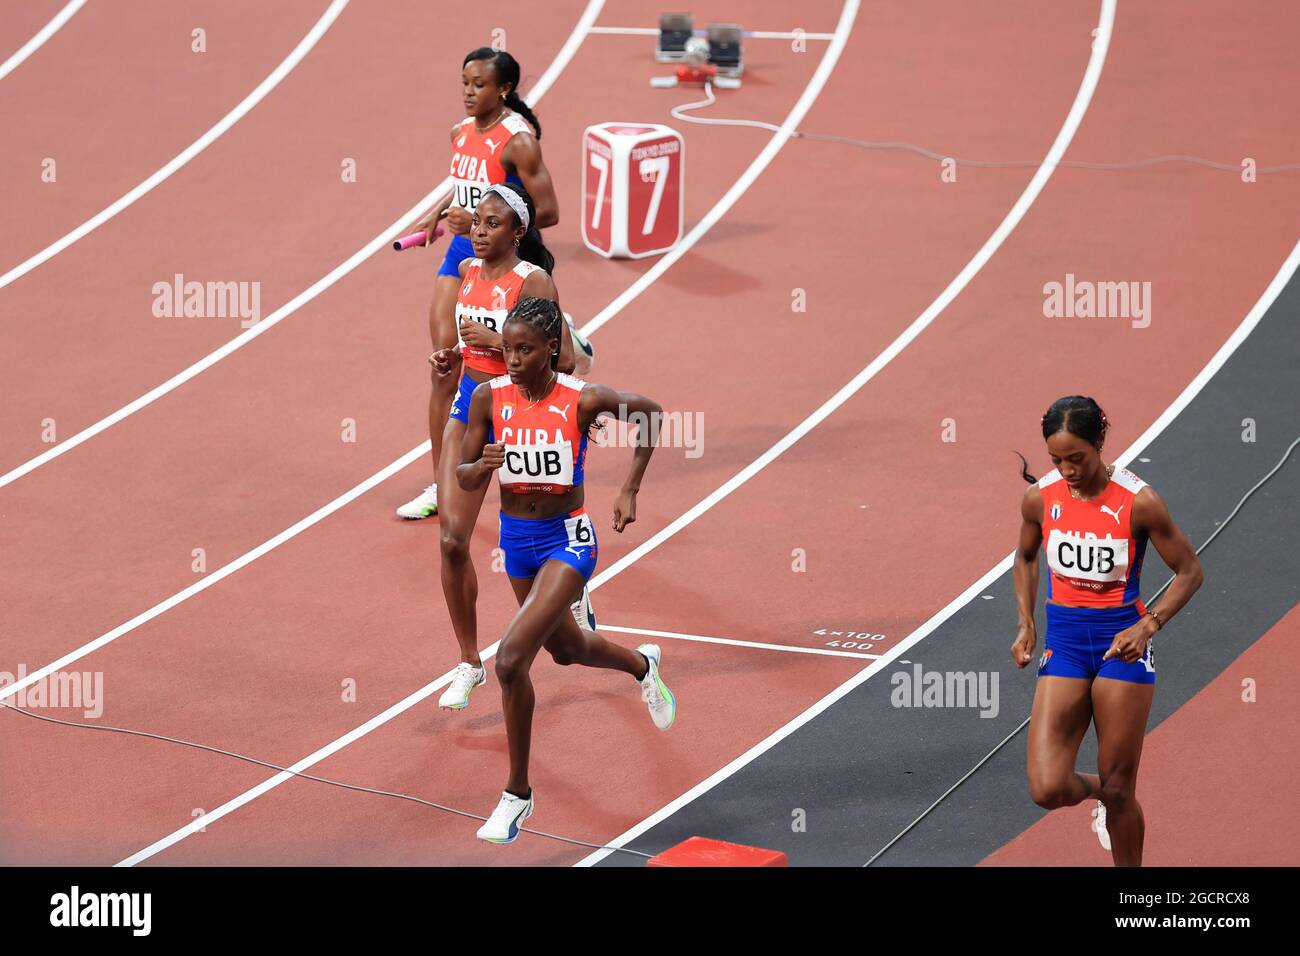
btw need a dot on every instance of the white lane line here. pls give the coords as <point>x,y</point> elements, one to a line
<point>747,34</point>
<point>199,145</point>
<point>1193,388</point>
<point>557,66</point>
<point>703,639</point>
<point>382,241</point>
<point>819,77</point>
<point>38,41</point>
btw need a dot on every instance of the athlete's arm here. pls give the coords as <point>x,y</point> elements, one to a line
<point>478,458</point>
<point>1152,516</point>
<point>541,285</point>
<point>523,154</point>
<point>1024,571</point>
<point>624,405</point>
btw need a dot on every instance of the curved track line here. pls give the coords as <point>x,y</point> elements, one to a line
<point>381,241</point>
<point>199,145</point>
<point>816,82</point>
<point>1216,362</point>
<point>38,41</point>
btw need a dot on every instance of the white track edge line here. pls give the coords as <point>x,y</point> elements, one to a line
<point>1193,388</point>
<point>38,41</point>
<point>733,642</point>
<point>180,159</point>
<point>831,54</point>
<point>383,240</point>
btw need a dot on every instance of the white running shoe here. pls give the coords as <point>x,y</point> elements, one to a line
<point>1099,825</point>
<point>511,812</point>
<point>422,505</point>
<point>584,355</point>
<point>466,678</point>
<point>660,700</point>
<point>583,612</point>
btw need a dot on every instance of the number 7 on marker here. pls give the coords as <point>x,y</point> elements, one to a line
<point>658,167</point>
<point>602,164</point>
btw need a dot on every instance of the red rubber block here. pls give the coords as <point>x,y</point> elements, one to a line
<point>699,851</point>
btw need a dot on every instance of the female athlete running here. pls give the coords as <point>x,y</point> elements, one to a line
<point>510,262</point>
<point>530,427</point>
<point>1096,520</point>
<point>494,144</point>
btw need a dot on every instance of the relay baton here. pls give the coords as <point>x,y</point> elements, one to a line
<point>415,239</point>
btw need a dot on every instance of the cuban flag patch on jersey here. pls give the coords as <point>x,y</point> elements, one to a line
<point>506,412</point>
<point>1055,511</point>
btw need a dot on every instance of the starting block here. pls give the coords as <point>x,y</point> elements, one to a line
<point>700,851</point>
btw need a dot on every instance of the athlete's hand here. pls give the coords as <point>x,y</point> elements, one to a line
<point>624,509</point>
<point>445,361</point>
<point>1022,651</point>
<point>494,456</point>
<point>459,220</point>
<point>479,335</point>
<point>427,226</point>
<point>1131,643</point>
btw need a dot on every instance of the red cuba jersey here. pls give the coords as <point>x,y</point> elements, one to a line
<point>1093,556</point>
<point>476,158</point>
<point>488,301</point>
<point>545,450</point>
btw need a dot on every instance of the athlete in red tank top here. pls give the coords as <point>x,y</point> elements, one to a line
<point>1096,520</point>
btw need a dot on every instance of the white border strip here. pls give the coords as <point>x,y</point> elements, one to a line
<point>1193,388</point>
<point>732,642</point>
<point>381,241</point>
<point>199,145</point>
<point>38,41</point>
<point>819,77</point>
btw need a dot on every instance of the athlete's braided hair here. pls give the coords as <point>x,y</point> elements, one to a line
<point>507,71</point>
<point>1079,415</point>
<point>531,247</point>
<point>541,315</point>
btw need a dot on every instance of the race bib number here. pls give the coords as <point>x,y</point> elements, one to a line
<point>581,533</point>
<point>538,465</point>
<point>1086,557</point>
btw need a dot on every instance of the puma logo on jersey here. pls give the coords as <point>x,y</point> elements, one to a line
<point>1113,514</point>
<point>498,297</point>
<point>492,147</point>
<point>576,551</point>
<point>563,414</point>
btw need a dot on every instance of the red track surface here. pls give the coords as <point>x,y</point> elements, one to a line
<point>256,663</point>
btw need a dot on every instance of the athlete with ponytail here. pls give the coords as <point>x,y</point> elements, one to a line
<point>497,142</point>
<point>530,428</point>
<point>1096,520</point>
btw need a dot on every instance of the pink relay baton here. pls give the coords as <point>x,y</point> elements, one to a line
<point>415,239</point>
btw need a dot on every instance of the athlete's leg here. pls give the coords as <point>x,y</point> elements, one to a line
<point>458,511</point>
<point>1120,708</point>
<point>442,333</point>
<point>571,644</point>
<point>542,599</point>
<point>1062,710</point>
